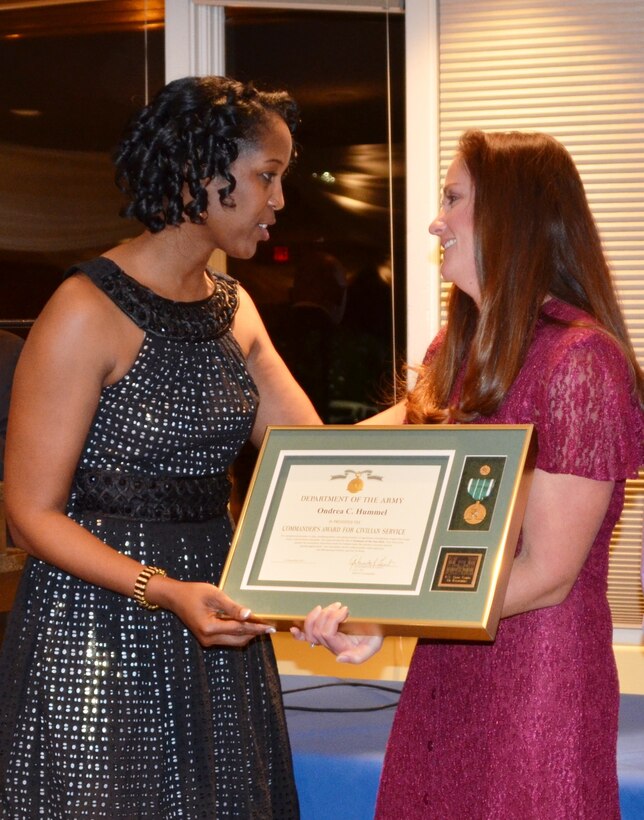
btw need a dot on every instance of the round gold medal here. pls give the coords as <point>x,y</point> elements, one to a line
<point>475,513</point>
<point>355,485</point>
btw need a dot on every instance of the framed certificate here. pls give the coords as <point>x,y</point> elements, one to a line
<point>413,527</point>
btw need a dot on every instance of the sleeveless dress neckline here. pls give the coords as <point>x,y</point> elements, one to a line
<point>149,292</point>
<point>198,320</point>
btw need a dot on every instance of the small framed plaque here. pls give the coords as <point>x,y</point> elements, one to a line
<point>413,527</point>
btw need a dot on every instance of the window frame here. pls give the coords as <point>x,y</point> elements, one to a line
<point>195,45</point>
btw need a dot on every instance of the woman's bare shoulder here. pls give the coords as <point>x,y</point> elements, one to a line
<point>80,323</point>
<point>78,297</point>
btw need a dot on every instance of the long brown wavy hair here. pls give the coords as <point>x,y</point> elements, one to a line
<point>534,236</point>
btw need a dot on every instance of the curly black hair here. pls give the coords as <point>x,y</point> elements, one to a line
<point>191,132</point>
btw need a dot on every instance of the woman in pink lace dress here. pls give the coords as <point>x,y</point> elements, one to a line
<point>524,727</point>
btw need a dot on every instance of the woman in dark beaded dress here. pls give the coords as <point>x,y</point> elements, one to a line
<point>130,685</point>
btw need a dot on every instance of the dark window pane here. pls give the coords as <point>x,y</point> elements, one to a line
<point>70,76</point>
<point>335,228</point>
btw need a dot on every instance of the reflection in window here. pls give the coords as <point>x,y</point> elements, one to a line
<point>70,76</point>
<point>323,283</point>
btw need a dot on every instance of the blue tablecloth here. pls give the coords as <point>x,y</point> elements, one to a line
<point>338,755</point>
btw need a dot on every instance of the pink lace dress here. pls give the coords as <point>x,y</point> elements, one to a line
<point>526,727</point>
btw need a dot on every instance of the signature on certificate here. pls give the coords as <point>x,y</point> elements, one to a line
<point>360,562</point>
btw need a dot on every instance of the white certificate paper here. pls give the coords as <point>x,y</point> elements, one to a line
<point>358,524</point>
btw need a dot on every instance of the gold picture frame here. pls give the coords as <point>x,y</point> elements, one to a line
<point>413,527</point>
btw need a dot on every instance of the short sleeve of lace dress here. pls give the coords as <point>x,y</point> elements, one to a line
<point>591,424</point>
<point>436,342</point>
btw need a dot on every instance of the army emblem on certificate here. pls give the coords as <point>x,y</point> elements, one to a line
<point>356,484</point>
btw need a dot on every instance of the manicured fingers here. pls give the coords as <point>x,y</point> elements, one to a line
<point>363,649</point>
<point>229,608</point>
<point>323,627</point>
<point>229,632</point>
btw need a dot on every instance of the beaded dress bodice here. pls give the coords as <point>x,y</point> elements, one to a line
<point>183,410</point>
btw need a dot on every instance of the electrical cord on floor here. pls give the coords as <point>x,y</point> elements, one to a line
<point>342,709</point>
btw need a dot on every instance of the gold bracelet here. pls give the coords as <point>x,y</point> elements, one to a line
<point>140,585</point>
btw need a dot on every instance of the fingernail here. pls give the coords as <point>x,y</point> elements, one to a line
<point>270,630</point>
<point>245,613</point>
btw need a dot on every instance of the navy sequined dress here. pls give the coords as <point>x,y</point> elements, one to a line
<point>108,710</point>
